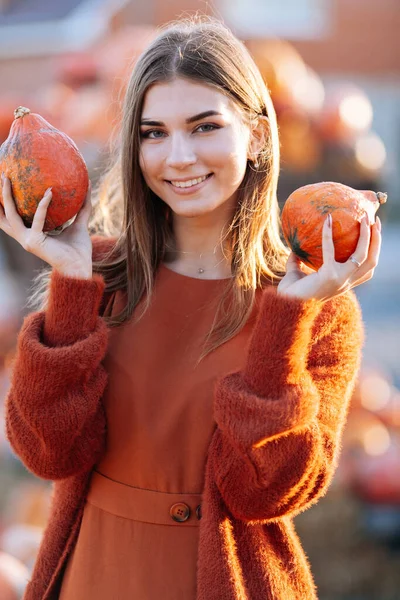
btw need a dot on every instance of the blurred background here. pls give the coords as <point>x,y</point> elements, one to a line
<point>333,69</point>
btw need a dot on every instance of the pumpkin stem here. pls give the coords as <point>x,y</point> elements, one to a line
<point>381,197</point>
<point>21,111</point>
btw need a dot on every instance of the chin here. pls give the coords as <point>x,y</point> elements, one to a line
<point>193,209</point>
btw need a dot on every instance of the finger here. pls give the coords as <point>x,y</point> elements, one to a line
<point>39,217</point>
<point>361,280</point>
<point>4,224</point>
<point>328,247</point>
<point>305,268</point>
<point>13,218</point>
<point>361,252</point>
<point>365,272</point>
<point>292,263</point>
<point>86,210</point>
<point>293,271</point>
<point>374,248</point>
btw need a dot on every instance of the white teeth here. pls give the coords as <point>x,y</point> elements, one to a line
<point>189,183</point>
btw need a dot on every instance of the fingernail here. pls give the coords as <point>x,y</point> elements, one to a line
<point>46,195</point>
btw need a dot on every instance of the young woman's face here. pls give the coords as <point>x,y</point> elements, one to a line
<point>194,147</point>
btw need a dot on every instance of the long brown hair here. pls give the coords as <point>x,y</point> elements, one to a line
<point>204,50</point>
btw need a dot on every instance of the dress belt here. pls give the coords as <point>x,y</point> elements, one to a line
<point>148,506</point>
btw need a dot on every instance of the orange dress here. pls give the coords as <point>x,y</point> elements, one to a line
<point>140,528</point>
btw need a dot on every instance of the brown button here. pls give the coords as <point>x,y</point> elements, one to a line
<point>180,512</point>
<point>198,512</point>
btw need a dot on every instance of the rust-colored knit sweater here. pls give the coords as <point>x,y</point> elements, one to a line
<point>273,454</point>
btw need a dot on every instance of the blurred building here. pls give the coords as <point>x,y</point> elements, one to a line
<point>342,40</point>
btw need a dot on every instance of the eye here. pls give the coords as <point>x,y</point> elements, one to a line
<point>152,134</point>
<point>207,127</point>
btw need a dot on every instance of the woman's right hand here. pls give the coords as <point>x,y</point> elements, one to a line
<point>70,252</point>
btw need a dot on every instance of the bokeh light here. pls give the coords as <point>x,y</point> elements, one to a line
<point>375,391</point>
<point>356,111</point>
<point>309,91</point>
<point>376,440</point>
<point>370,151</point>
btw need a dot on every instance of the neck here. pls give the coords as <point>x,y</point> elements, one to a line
<point>198,250</point>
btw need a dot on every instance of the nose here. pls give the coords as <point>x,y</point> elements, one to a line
<point>181,153</point>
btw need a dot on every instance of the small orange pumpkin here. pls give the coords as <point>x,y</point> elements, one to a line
<point>36,156</point>
<point>306,209</point>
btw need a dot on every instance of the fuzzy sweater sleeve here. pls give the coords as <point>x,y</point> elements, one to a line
<point>280,420</point>
<point>55,420</point>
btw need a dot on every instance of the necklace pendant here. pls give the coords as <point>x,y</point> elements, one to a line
<point>200,270</point>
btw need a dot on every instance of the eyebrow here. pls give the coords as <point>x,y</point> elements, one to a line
<point>202,115</point>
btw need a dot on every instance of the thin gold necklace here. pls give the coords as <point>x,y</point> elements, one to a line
<point>200,270</point>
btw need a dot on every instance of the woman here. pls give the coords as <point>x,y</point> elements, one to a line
<point>186,386</point>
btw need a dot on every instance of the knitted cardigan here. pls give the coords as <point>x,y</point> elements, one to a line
<point>272,455</point>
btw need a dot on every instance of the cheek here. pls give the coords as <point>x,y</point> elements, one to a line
<point>149,170</point>
<point>234,166</point>
<point>232,155</point>
<point>144,161</point>
<point>150,160</point>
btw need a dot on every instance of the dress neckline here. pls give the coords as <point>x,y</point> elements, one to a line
<point>173,273</point>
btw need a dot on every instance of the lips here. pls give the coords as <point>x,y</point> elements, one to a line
<point>188,183</point>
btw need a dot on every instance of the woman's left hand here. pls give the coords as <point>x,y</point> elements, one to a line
<point>334,278</point>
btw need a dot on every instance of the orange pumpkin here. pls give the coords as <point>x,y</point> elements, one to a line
<point>36,156</point>
<point>306,209</point>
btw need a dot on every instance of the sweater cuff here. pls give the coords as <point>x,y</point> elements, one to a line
<point>280,342</point>
<point>73,308</point>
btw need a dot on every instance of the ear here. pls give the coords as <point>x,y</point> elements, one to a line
<point>259,133</point>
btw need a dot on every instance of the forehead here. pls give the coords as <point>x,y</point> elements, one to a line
<point>184,98</point>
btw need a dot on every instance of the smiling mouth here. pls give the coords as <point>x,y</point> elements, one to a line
<point>190,182</point>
